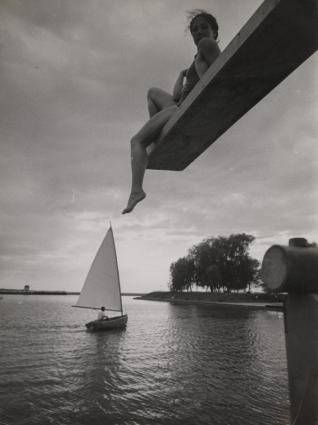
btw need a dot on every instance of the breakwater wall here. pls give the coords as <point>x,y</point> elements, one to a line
<point>31,292</point>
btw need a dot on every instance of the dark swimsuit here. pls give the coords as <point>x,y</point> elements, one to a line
<point>191,79</point>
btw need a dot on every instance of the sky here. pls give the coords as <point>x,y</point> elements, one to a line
<point>74,77</point>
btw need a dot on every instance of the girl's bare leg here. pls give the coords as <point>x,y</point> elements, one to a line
<point>158,100</point>
<point>139,157</point>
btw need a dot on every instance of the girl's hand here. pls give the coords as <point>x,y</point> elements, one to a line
<point>208,50</point>
<point>178,86</point>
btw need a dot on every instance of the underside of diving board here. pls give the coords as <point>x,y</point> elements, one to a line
<point>278,38</point>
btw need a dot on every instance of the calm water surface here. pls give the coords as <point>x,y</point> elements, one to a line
<point>174,364</point>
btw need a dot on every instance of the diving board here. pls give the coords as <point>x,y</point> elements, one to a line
<point>278,38</point>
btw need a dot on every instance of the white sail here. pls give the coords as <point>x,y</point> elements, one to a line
<point>102,286</point>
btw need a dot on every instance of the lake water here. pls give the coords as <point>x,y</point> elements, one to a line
<point>173,365</point>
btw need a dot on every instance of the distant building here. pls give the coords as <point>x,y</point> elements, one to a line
<point>26,288</point>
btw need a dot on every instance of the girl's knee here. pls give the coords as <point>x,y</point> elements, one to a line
<point>152,92</point>
<point>134,141</point>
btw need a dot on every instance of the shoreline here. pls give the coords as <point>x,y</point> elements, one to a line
<point>259,301</point>
<point>31,292</point>
<point>37,292</point>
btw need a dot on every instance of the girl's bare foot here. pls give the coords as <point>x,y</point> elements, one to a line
<point>133,200</point>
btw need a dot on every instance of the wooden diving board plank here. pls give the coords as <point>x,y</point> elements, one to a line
<point>278,38</point>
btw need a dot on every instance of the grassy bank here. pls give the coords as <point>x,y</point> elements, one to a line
<point>214,297</point>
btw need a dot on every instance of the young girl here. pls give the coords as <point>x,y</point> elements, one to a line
<point>162,105</point>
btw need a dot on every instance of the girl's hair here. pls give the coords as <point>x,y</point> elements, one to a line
<point>195,13</point>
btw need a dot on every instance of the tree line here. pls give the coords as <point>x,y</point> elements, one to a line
<point>221,264</point>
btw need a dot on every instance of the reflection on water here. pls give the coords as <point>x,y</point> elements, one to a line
<point>174,364</point>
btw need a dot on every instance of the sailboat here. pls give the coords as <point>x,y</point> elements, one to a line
<point>102,287</point>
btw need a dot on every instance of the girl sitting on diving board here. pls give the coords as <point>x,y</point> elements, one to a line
<point>162,105</point>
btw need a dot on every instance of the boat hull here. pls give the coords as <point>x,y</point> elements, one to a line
<point>118,322</point>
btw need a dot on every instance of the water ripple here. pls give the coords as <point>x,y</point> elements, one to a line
<point>173,365</point>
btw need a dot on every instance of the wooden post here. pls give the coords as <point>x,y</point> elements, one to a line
<point>294,269</point>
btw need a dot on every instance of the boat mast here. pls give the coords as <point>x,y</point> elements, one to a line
<point>121,304</point>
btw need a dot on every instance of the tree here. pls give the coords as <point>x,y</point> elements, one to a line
<point>216,263</point>
<point>203,258</point>
<point>237,268</point>
<point>182,274</point>
<point>214,277</point>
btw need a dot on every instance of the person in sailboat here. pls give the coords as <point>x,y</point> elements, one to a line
<point>162,105</point>
<point>101,315</point>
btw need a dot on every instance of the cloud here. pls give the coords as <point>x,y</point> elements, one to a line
<point>74,81</point>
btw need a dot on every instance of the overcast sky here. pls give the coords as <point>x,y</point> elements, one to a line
<point>74,76</point>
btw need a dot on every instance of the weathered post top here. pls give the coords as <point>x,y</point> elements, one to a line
<point>292,268</point>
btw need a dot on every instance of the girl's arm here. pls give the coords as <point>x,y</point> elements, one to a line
<point>208,51</point>
<point>178,86</point>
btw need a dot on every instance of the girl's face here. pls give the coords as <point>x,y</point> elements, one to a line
<point>200,28</point>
